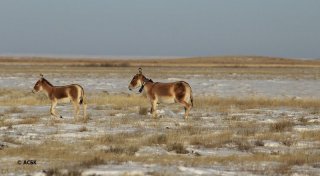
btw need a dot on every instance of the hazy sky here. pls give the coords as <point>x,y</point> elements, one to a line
<point>288,28</point>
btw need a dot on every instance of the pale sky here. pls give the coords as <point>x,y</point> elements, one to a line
<point>285,28</point>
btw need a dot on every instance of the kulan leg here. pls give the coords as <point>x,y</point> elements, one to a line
<point>154,108</point>
<point>76,107</point>
<point>187,107</point>
<point>52,109</point>
<point>84,105</point>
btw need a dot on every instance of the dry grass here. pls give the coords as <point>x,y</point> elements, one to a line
<point>82,119</point>
<point>48,148</point>
<point>29,120</point>
<point>10,139</point>
<point>82,129</point>
<point>177,147</point>
<point>118,101</point>
<point>184,135</point>
<point>23,120</point>
<point>13,110</point>
<point>4,122</point>
<point>123,154</point>
<point>245,128</point>
<point>212,140</point>
<point>92,162</point>
<point>123,146</point>
<point>242,144</point>
<point>283,169</point>
<point>299,158</point>
<point>123,150</point>
<point>284,139</point>
<point>99,107</point>
<point>288,142</point>
<point>303,120</point>
<point>143,110</point>
<point>157,139</point>
<point>57,172</point>
<point>259,143</point>
<point>117,139</point>
<point>221,139</point>
<point>15,97</point>
<point>273,136</point>
<point>221,104</point>
<point>282,125</point>
<point>57,154</point>
<point>310,135</point>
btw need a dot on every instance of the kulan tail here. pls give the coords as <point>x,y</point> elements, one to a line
<point>191,98</point>
<point>83,103</point>
<point>81,97</point>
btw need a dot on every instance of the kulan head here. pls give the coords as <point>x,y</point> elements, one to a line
<point>38,86</point>
<point>137,80</point>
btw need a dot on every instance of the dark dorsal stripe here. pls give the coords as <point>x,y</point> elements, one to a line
<point>146,79</point>
<point>46,81</point>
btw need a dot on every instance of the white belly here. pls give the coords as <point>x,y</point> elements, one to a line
<point>64,100</point>
<point>166,100</point>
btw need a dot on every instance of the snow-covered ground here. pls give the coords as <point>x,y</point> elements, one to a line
<point>106,120</point>
<point>200,85</point>
<point>102,122</point>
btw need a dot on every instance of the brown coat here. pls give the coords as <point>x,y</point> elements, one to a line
<point>73,93</point>
<point>174,92</point>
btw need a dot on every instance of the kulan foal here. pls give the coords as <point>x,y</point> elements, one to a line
<point>72,93</point>
<point>174,92</point>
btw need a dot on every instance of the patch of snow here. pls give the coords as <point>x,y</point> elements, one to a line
<point>268,143</point>
<point>223,152</point>
<point>120,115</point>
<point>306,128</point>
<point>151,151</point>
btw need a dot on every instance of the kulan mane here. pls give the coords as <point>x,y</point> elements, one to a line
<point>147,80</point>
<point>46,81</point>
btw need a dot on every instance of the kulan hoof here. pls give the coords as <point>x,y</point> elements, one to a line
<point>61,116</point>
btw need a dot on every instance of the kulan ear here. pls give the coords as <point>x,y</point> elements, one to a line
<point>140,70</point>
